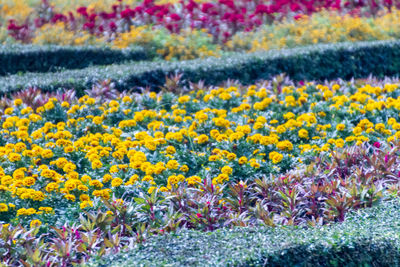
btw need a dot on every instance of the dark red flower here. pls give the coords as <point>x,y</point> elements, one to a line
<point>175,17</point>
<point>82,11</point>
<point>127,13</point>
<point>113,26</point>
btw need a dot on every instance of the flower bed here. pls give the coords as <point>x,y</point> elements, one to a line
<point>188,30</point>
<point>143,165</point>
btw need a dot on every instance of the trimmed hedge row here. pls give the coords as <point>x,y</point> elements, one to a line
<point>369,237</point>
<point>34,58</point>
<point>319,62</point>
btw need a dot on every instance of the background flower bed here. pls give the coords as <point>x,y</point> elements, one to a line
<point>189,29</point>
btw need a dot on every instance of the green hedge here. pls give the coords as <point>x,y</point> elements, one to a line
<point>319,62</point>
<point>34,58</point>
<point>369,237</point>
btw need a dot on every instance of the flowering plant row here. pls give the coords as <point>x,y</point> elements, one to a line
<point>220,157</point>
<point>69,154</point>
<point>221,18</point>
<point>189,29</point>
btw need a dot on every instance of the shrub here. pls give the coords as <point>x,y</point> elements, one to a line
<point>368,237</point>
<point>319,62</point>
<point>30,58</point>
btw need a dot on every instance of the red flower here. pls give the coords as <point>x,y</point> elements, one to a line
<point>175,17</point>
<point>206,6</point>
<point>126,13</point>
<point>113,26</point>
<point>82,10</point>
<point>88,26</point>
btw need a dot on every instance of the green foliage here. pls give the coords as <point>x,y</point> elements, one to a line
<point>33,58</point>
<point>319,62</point>
<point>368,237</point>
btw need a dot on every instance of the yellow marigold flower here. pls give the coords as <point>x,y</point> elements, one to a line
<point>86,204</point>
<point>84,197</point>
<point>225,96</point>
<point>8,111</point>
<point>17,102</point>
<point>116,182</point>
<point>109,213</point>
<point>275,157</point>
<point>340,127</point>
<point>285,145</point>
<point>49,105</point>
<point>47,153</point>
<point>357,130</point>
<point>83,188</point>
<point>29,181</point>
<point>69,167</point>
<point>193,180</point>
<point>226,170</point>
<point>328,94</point>
<point>6,180</point>
<point>184,168</point>
<point>86,178</point>
<point>151,189</point>
<point>289,116</point>
<point>172,165</point>
<point>106,178</point>
<point>153,95</point>
<point>183,99</point>
<point>335,87</point>
<point>339,142</point>
<point>221,178</point>
<point>170,150</point>
<point>27,212</point>
<point>96,164</point>
<point>213,158</point>
<point>303,133</point>
<point>51,187</point>
<point>148,178</point>
<point>13,157</point>
<point>150,145</point>
<point>242,160</point>
<point>65,104</point>
<point>96,183</point>
<point>46,209</point>
<point>97,120</point>
<point>35,223</point>
<point>3,207</point>
<point>202,139</point>
<point>379,126</point>
<point>126,99</point>
<point>70,197</point>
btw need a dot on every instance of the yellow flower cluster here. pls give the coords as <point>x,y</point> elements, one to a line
<point>323,27</point>
<point>100,150</point>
